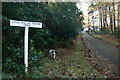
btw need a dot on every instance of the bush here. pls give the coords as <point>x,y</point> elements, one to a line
<point>105,31</point>
<point>64,44</point>
<point>59,26</point>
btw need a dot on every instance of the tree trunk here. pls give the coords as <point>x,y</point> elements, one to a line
<point>105,20</point>
<point>101,20</point>
<point>114,19</point>
<point>93,23</point>
<point>103,15</point>
<point>111,23</point>
<point>118,18</point>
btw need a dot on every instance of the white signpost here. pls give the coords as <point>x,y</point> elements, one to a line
<point>26,24</point>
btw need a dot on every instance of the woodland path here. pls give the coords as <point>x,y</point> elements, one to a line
<point>105,52</point>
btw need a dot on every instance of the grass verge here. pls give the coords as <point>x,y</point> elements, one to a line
<point>108,38</point>
<point>69,63</point>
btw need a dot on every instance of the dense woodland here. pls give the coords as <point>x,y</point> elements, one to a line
<point>108,17</point>
<point>61,23</point>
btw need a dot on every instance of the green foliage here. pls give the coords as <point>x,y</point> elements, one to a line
<point>61,22</point>
<point>63,44</point>
<point>105,31</point>
<point>117,33</point>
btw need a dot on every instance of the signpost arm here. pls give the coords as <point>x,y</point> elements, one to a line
<point>26,49</point>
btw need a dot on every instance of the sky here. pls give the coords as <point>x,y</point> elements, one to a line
<point>82,5</point>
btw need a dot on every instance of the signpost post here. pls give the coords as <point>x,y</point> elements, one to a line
<point>26,24</point>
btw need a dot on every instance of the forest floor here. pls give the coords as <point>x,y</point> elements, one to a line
<point>69,63</point>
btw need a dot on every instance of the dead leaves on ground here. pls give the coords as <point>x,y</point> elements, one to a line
<point>96,63</point>
<point>70,63</point>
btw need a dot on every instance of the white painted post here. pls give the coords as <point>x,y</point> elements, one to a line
<point>26,24</point>
<point>26,49</point>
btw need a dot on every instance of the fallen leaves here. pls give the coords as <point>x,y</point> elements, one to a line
<point>96,63</point>
<point>70,63</point>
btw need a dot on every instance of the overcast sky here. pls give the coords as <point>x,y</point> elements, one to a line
<point>84,7</point>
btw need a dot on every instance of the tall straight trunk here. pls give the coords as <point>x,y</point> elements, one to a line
<point>88,23</point>
<point>99,19</point>
<point>93,23</point>
<point>103,24</point>
<point>100,15</point>
<point>105,20</point>
<point>111,23</point>
<point>118,20</point>
<point>114,19</point>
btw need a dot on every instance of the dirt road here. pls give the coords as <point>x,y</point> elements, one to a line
<point>105,52</point>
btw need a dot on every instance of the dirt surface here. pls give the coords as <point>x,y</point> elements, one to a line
<point>70,63</point>
<point>105,56</point>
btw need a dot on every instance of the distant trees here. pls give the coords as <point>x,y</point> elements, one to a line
<point>108,16</point>
<point>61,22</point>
